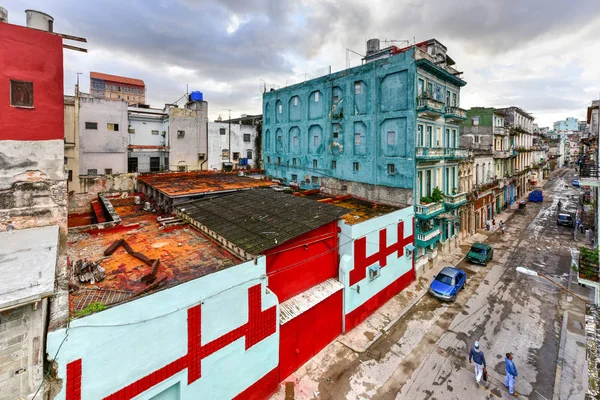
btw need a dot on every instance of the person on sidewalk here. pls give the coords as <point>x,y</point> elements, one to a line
<point>511,374</point>
<point>502,227</point>
<point>479,359</point>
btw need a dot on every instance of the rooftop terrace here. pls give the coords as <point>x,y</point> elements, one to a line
<point>183,253</point>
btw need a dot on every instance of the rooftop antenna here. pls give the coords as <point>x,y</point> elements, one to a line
<point>348,51</point>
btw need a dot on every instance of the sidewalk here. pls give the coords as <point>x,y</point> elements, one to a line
<point>366,333</point>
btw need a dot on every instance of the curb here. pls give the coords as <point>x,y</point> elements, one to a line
<point>561,357</point>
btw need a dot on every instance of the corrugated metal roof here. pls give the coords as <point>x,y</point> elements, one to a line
<point>304,301</point>
<point>260,219</point>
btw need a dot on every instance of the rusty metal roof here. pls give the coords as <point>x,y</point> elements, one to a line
<point>304,301</point>
<point>260,219</point>
<point>184,253</point>
<point>179,184</point>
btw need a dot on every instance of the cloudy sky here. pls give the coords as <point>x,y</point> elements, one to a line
<point>542,55</point>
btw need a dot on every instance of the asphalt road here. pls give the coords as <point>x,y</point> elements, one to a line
<point>425,354</point>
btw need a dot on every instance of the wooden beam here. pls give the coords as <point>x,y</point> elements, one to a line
<point>69,37</point>
<point>66,46</point>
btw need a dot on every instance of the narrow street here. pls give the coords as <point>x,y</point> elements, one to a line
<point>425,354</point>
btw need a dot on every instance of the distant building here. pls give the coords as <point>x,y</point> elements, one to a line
<point>582,126</point>
<point>569,124</point>
<point>236,149</point>
<point>118,88</point>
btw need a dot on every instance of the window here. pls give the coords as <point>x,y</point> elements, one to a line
<point>180,134</point>
<point>222,131</point>
<point>119,88</point>
<point>357,138</point>
<point>278,160</point>
<point>420,87</point>
<point>70,175</point>
<point>91,125</point>
<point>356,87</point>
<point>336,99</point>
<point>132,164</point>
<point>420,138</point>
<point>293,161</point>
<point>295,100</point>
<point>113,127</point>
<point>333,164</point>
<point>316,97</point>
<point>280,108</point>
<point>430,89</point>
<point>268,159</point>
<point>355,166</point>
<point>335,135</point>
<point>246,137</point>
<point>249,154</point>
<point>447,97</point>
<point>21,94</point>
<point>236,156</point>
<point>476,139</point>
<point>316,141</point>
<point>391,168</point>
<point>154,164</point>
<point>391,138</point>
<point>108,171</point>
<point>295,141</point>
<point>475,121</point>
<point>314,180</point>
<point>92,172</point>
<point>315,163</point>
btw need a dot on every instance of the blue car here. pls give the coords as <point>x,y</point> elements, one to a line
<point>448,283</point>
<point>575,182</point>
<point>536,196</point>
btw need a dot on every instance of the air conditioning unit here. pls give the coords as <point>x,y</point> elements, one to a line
<point>374,272</point>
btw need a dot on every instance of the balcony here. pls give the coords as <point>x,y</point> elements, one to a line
<point>455,200</point>
<point>456,154</point>
<point>428,238</point>
<point>499,130</point>
<point>429,108</point>
<point>428,211</point>
<point>503,153</point>
<point>429,153</point>
<point>589,175</point>
<point>455,114</point>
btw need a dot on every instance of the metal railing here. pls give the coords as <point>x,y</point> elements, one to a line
<point>589,171</point>
<point>455,199</point>
<point>456,153</point>
<point>456,111</point>
<point>499,130</point>
<point>430,152</point>
<point>426,236</point>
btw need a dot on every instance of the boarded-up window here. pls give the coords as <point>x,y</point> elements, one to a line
<point>21,94</point>
<point>391,138</point>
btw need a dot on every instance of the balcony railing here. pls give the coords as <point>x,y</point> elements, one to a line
<point>427,107</point>
<point>499,130</point>
<point>433,153</point>
<point>427,238</point>
<point>452,153</point>
<point>455,200</point>
<point>503,154</point>
<point>428,210</point>
<point>455,113</point>
<point>590,171</point>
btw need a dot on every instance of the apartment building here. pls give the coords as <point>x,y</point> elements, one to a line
<point>117,88</point>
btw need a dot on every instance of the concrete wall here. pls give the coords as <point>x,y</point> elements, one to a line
<point>71,110</point>
<point>398,197</point>
<point>217,143</point>
<point>344,117</point>
<point>362,293</point>
<point>144,126</point>
<point>102,149</point>
<point>186,152</point>
<point>91,186</point>
<point>176,337</point>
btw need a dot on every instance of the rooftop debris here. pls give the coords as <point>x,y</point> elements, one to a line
<point>89,271</point>
<point>147,279</point>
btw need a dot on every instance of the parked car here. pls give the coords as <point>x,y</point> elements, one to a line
<point>536,196</point>
<point>448,283</point>
<point>565,220</point>
<point>480,253</point>
<point>576,182</point>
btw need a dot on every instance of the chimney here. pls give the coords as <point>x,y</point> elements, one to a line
<point>3,15</point>
<point>39,20</point>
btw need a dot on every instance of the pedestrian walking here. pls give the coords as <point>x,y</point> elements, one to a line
<point>511,374</point>
<point>502,227</point>
<point>487,225</point>
<point>476,355</point>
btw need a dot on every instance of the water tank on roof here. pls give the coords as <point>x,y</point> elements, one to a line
<point>3,14</point>
<point>39,20</point>
<point>196,96</point>
<point>372,46</point>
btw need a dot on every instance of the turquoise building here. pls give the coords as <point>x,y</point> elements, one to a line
<point>387,131</point>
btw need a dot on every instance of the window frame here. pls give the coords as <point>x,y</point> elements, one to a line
<point>87,127</point>
<point>247,136</point>
<point>26,83</point>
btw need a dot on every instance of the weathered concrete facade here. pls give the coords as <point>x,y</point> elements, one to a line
<point>103,136</point>
<point>243,145</point>
<point>71,108</point>
<point>188,139</point>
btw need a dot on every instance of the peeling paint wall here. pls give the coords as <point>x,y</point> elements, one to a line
<point>217,143</point>
<point>91,186</point>
<point>186,150</point>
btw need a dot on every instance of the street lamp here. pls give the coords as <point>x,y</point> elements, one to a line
<point>527,271</point>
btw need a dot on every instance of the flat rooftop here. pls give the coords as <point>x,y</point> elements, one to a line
<point>184,254</point>
<point>181,184</point>
<point>357,210</point>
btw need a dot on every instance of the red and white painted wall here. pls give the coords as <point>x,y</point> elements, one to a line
<point>216,337</point>
<point>376,262</point>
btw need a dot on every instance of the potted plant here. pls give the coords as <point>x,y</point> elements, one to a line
<point>437,195</point>
<point>454,191</point>
<point>425,200</point>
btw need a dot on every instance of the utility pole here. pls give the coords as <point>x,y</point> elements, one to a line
<point>229,135</point>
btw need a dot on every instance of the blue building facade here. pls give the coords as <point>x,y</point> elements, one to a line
<point>387,131</point>
<point>569,124</point>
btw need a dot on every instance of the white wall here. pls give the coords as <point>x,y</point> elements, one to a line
<point>218,142</point>
<point>144,125</point>
<point>102,149</point>
<point>185,151</point>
